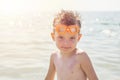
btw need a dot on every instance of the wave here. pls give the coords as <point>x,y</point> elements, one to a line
<point>109,32</point>
<point>109,23</point>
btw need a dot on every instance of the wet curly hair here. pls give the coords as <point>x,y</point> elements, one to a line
<point>67,17</point>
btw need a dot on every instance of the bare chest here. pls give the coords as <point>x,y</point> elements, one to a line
<point>69,69</point>
<point>66,65</point>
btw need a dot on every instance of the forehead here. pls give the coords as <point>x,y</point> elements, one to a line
<point>66,35</point>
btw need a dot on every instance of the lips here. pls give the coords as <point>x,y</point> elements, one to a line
<point>66,47</point>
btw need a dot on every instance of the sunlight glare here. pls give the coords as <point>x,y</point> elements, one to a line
<point>14,7</point>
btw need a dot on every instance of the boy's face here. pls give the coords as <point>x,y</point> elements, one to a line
<point>66,40</point>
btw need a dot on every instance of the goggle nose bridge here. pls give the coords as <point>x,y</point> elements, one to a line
<point>68,29</point>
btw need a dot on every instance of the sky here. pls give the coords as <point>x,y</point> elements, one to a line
<point>26,6</point>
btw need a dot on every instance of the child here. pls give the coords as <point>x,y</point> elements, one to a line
<point>69,62</point>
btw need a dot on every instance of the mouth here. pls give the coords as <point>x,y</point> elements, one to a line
<point>66,48</point>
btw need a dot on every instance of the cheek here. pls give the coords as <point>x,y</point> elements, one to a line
<point>73,42</point>
<point>58,41</point>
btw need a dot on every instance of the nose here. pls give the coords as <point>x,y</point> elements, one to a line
<point>66,42</point>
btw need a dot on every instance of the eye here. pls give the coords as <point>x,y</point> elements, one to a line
<point>60,37</point>
<point>72,38</point>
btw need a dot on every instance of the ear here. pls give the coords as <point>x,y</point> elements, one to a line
<point>79,36</point>
<point>52,35</point>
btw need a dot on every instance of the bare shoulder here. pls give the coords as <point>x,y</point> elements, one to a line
<point>82,55</point>
<point>54,55</point>
<point>86,65</point>
<point>81,52</point>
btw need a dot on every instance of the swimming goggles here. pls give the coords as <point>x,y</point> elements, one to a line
<point>62,29</point>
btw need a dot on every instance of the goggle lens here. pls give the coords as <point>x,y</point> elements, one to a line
<point>73,29</point>
<point>61,29</point>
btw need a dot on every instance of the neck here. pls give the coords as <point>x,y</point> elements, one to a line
<point>68,54</point>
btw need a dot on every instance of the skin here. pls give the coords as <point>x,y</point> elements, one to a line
<point>69,62</point>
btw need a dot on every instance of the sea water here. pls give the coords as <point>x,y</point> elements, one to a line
<point>26,44</point>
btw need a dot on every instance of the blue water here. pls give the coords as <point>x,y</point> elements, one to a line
<point>101,35</point>
<point>25,44</point>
